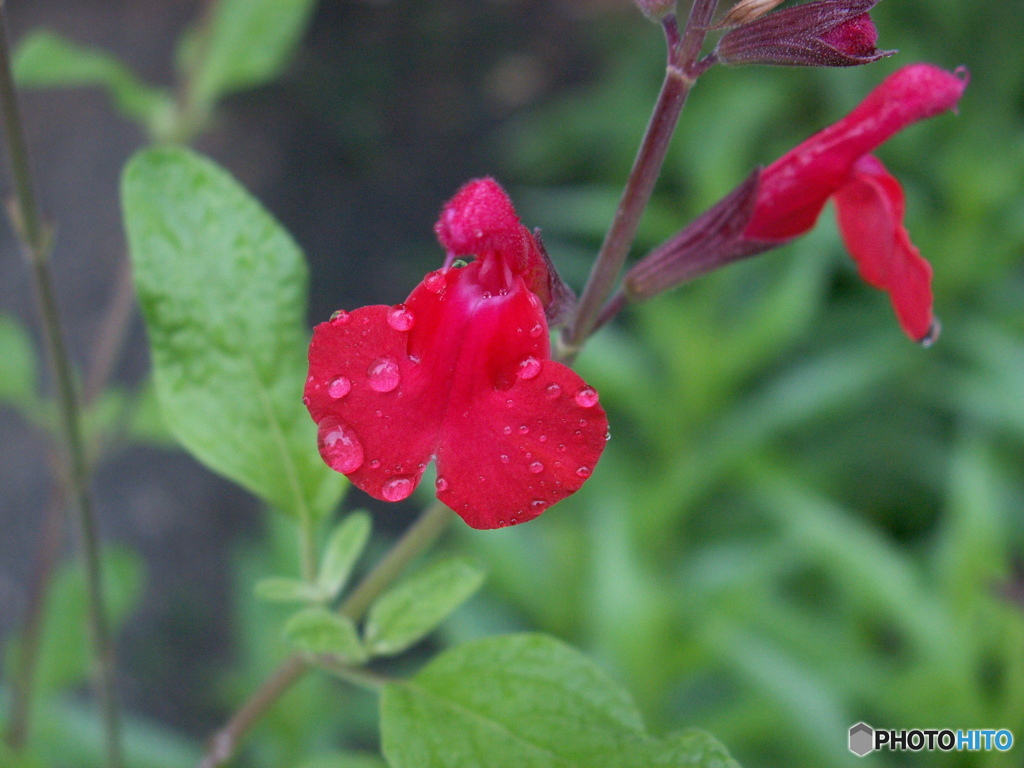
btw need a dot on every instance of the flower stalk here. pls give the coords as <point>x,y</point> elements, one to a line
<point>682,70</point>
<point>35,241</point>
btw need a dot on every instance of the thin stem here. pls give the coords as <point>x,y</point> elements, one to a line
<point>416,540</point>
<point>680,75</point>
<point>112,333</point>
<point>35,244</point>
<point>31,636</point>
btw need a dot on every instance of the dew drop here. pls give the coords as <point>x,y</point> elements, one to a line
<point>375,464</point>
<point>529,368</point>
<point>340,446</point>
<point>934,331</point>
<point>586,397</point>
<point>509,403</point>
<point>524,430</point>
<point>305,400</point>
<point>504,458</point>
<point>398,488</point>
<point>434,282</point>
<point>553,391</point>
<point>400,318</point>
<point>538,505</point>
<point>339,387</point>
<point>542,439</point>
<point>537,330</point>
<point>583,422</point>
<point>441,484</point>
<point>561,447</point>
<point>507,430</point>
<point>536,468</point>
<point>340,317</point>
<point>486,294</point>
<point>383,374</point>
<point>607,435</point>
<point>583,472</point>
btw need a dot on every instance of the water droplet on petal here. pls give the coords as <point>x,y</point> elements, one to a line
<point>400,318</point>
<point>538,505</point>
<point>441,484</point>
<point>340,317</point>
<point>383,374</point>
<point>586,397</point>
<point>340,446</point>
<point>305,400</point>
<point>607,435</point>
<point>529,368</point>
<point>553,391</point>
<point>486,294</point>
<point>398,488</point>
<point>583,422</point>
<point>504,458</point>
<point>339,387</point>
<point>583,472</point>
<point>542,439</point>
<point>507,430</point>
<point>536,468</point>
<point>509,403</point>
<point>524,430</point>
<point>537,330</point>
<point>561,447</point>
<point>934,331</point>
<point>434,282</point>
<point>375,464</point>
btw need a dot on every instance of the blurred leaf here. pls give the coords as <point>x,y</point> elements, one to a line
<point>18,372</point>
<point>223,292</point>
<point>320,631</point>
<point>344,760</point>
<point>247,43</point>
<point>280,589</point>
<point>45,59</point>
<point>65,652</point>
<point>146,425</point>
<point>343,548</point>
<point>411,610</point>
<point>525,701</point>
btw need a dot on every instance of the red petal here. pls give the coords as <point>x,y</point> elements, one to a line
<point>447,365</point>
<point>794,188</point>
<point>870,209</point>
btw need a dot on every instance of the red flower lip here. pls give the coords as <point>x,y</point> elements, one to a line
<point>461,374</point>
<point>783,201</point>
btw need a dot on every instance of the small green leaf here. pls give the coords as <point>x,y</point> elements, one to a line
<point>526,701</point>
<point>319,631</point>
<point>18,371</point>
<point>247,43</point>
<point>45,59</point>
<point>344,546</point>
<point>223,292</point>
<point>344,760</point>
<point>280,589</point>
<point>409,611</point>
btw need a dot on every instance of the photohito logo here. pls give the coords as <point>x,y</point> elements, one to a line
<point>865,739</point>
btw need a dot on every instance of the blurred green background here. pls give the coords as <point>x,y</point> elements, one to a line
<point>802,520</point>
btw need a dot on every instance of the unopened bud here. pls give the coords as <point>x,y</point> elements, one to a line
<point>745,11</point>
<point>656,10</point>
<point>824,33</point>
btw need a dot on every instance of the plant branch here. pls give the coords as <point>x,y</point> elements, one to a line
<point>680,74</point>
<point>36,246</point>
<point>417,539</point>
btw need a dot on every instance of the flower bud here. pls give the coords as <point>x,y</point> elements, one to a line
<point>824,33</point>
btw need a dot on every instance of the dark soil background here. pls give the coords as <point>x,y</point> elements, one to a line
<point>387,109</point>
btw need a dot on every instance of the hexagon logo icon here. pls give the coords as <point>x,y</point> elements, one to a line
<point>862,739</point>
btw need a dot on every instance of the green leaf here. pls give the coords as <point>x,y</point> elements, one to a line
<point>344,546</point>
<point>247,43</point>
<point>45,59</point>
<point>280,589</point>
<point>409,611</point>
<point>526,701</point>
<point>344,760</point>
<point>18,372</point>
<point>320,631</point>
<point>223,292</point>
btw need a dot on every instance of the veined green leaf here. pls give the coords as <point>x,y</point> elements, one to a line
<point>320,631</point>
<point>223,292</point>
<point>343,548</point>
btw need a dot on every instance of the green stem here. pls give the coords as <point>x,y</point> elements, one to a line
<point>681,72</point>
<point>417,539</point>
<point>35,242</point>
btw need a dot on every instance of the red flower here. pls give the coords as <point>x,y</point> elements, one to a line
<point>783,201</point>
<point>460,373</point>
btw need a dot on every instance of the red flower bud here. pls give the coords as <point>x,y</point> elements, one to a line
<point>825,33</point>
